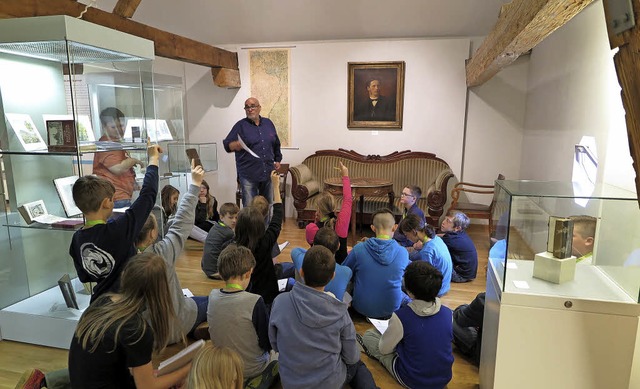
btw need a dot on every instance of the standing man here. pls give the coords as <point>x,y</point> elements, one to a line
<point>376,107</point>
<point>260,136</point>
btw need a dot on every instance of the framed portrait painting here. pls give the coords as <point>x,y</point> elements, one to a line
<point>375,94</point>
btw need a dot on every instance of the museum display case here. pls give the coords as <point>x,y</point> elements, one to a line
<point>580,327</point>
<point>57,74</point>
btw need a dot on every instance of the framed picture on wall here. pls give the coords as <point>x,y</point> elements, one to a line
<point>375,94</point>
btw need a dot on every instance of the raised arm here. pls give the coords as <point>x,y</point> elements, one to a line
<point>171,246</point>
<point>342,224</point>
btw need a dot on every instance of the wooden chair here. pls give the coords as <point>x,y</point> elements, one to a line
<point>474,210</point>
<point>284,172</point>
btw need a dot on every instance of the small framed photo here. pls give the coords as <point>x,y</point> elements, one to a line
<point>375,94</point>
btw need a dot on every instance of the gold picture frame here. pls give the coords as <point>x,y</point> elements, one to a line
<point>375,94</point>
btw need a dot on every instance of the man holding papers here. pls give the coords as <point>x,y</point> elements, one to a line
<point>255,142</point>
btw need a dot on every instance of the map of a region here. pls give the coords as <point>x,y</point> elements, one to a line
<point>269,72</point>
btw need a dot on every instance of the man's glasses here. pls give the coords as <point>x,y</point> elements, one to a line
<point>248,107</point>
<point>406,194</point>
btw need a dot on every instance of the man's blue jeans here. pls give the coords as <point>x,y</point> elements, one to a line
<point>252,189</point>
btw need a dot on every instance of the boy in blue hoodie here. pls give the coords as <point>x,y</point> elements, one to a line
<point>378,265</point>
<point>313,332</point>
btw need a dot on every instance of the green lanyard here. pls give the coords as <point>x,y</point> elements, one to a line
<point>91,223</point>
<point>383,237</point>
<point>234,286</point>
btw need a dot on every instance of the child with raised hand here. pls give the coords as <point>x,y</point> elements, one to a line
<point>313,332</point>
<point>101,249</point>
<point>433,248</point>
<point>326,215</point>
<point>190,311</point>
<point>250,233</point>
<point>113,343</point>
<point>219,236</point>
<point>416,347</point>
<point>239,319</point>
<point>216,368</point>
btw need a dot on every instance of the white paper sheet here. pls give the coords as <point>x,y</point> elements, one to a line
<point>282,284</point>
<point>381,325</point>
<point>186,292</point>
<point>246,148</point>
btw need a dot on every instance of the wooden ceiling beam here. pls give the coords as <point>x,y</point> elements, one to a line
<point>166,44</point>
<point>126,8</point>
<point>522,24</point>
<point>627,62</point>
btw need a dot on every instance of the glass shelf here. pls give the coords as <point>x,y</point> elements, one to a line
<point>14,220</point>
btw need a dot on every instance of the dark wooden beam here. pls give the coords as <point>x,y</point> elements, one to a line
<point>126,8</point>
<point>226,78</point>
<point>522,24</point>
<point>167,45</point>
<point>627,62</point>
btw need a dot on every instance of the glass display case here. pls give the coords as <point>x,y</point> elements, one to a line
<point>582,330</point>
<point>521,216</point>
<point>57,74</point>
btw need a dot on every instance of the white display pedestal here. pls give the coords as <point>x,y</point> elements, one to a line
<point>44,319</point>
<point>558,336</point>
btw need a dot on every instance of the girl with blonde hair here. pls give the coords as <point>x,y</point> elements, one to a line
<point>113,343</point>
<point>326,215</point>
<point>216,368</point>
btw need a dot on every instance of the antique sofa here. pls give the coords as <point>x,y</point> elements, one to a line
<point>403,168</point>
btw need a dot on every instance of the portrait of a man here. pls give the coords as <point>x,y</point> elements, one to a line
<point>375,106</point>
<point>375,94</point>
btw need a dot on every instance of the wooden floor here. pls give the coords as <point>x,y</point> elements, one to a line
<point>15,357</point>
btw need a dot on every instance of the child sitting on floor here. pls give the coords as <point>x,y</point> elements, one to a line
<point>100,250</point>
<point>433,248</point>
<point>313,332</point>
<point>378,265</point>
<point>416,347</point>
<point>216,368</point>
<point>240,320</point>
<point>219,236</point>
<point>250,233</point>
<point>190,311</point>
<point>326,215</point>
<point>463,252</point>
<point>328,238</point>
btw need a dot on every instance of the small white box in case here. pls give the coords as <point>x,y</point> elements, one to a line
<point>548,268</point>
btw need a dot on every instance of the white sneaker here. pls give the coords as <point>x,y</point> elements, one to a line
<point>283,245</point>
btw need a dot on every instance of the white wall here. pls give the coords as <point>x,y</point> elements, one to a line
<point>434,105</point>
<point>573,92</point>
<point>495,124</point>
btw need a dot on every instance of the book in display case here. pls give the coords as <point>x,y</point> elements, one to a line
<point>542,327</point>
<point>57,73</point>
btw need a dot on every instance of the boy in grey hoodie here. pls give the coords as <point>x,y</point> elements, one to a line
<point>313,332</point>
